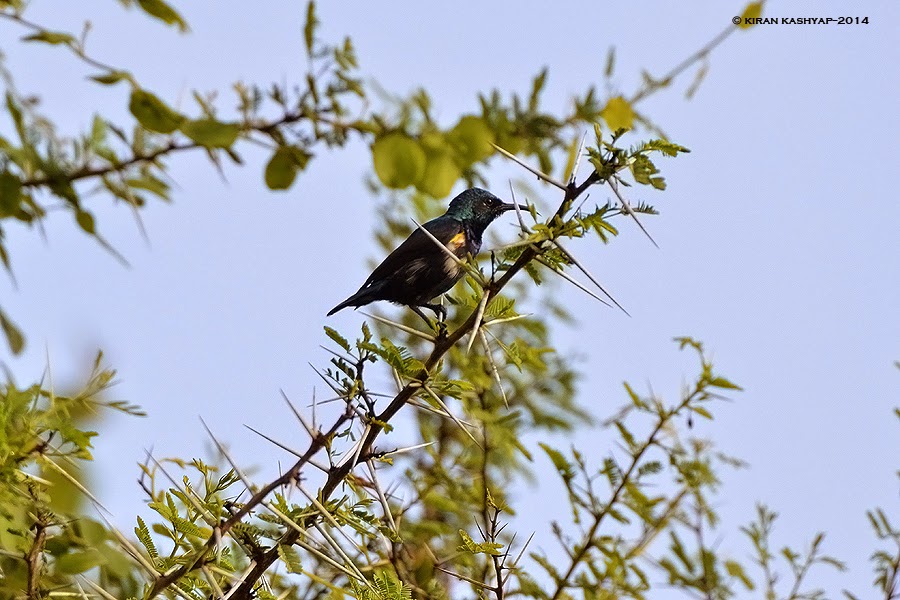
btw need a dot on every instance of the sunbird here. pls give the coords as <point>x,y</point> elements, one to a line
<point>418,271</point>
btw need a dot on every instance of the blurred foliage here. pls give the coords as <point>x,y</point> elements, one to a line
<point>44,534</point>
<point>487,390</point>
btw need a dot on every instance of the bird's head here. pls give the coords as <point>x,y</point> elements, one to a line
<point>478,207</point>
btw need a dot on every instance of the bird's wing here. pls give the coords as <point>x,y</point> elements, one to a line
<point>417,246</point>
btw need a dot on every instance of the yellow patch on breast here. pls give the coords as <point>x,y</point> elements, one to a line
<point>457,241</point>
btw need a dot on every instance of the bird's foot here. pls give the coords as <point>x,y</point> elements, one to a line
<point>439,311</point>
<point>441,329</point>
<point>439,326</point>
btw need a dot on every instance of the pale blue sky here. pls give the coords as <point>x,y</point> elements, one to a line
<point>778,236</point>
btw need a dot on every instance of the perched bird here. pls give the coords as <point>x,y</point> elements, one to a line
<point>418,271</point>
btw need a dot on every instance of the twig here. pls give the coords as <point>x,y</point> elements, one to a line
<point>506,319</point>
<point>627,207</point>
<point>212,582</point>
<point>106,594</point>
<point>299,415</point>
<point>385,507</point>
<point>400,326</point>
<point>518,558</point>
<point>571,280</point>
<point>436,411</point>
<point>680,67</point>
<point>518,210</point>
<point>479,315</point>
<point>408,449</point>
<point>247,483</point>
<point>475,582</point>
<point>237,585</point>
<point>578,156</point>
<point>286,448</point>
<point>528,167</point>
<point>405,395</point>
<point>587,273</point>
<point>490,356</point>
<point>452,416</point>
<point>74,482</point>
<point>587,541</point>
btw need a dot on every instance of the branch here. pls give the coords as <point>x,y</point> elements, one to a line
<point>33,559</point>
<point>587,542</point>
<point>87,172</point>
<point>316,444</point>
<point>442,345</point>
<point>406,393</point>
<point>653,86</point>
<point>171,147</point>
<point>73,45</point>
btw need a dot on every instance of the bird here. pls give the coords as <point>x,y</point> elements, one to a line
<point>418,271</point>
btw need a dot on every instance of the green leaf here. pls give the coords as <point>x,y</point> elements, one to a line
<point>98,132</point>
<point>85,220</point>
<point>112,77</point>
<point>563,466</point>
<point>337,338</point>
<point>536,88</point>
<point>91,532</point>
<point>470,545</point>
<point>152,184</point>
<point>721,382</point>
<point>211,133</point>
<point>13,335</point>
<point>346,56</point>
<point>441,172</point>
<point>618,113</point>
<point>50,37</point>
<point>152,113</point>
<point>290,558</point>
<point>79,562</point>
<point>165,13</point>
<point>736,570</point>
<point>664,146</point>
<point>309,28</point>
<point>752,11</point>
<point>187,527</point>
<point>143,534</point>
<point>635,398</point>
<point>398,159</point>
<point>702,412</point>
<point>10,193</point>
<point>15,111</point>
<point>471,139</point>
<point>282,168</point>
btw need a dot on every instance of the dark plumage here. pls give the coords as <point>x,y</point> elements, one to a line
<point>418,271</point>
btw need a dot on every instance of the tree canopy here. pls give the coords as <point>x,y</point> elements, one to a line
<point>355,514</point>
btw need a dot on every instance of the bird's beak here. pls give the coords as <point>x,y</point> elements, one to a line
<point>507,207</point>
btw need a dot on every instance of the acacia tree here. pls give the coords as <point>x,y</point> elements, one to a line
<point>355,515</point>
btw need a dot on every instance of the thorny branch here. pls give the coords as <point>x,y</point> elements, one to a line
<point>269,128</point>
<point>34,558</point>
<point>588,541</point>
<point>442,345</point>
<point>336,474</point>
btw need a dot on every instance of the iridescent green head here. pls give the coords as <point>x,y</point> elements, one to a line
<point>478,208</point>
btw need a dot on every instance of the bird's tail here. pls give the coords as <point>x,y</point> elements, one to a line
<point>342,305</point>
<point>360,298</point>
